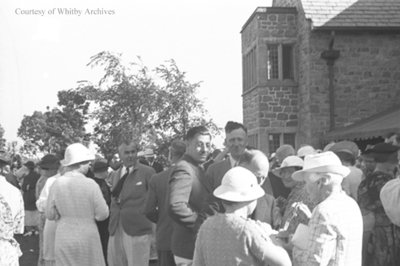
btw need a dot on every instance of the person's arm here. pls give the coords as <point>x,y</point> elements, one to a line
<point>151,205</point>
<point>262,247</point>
<point>321,242</point>
<point>19,217</point>
<point>44,194</point>
<point>51,208</point>
<point>180,187</point>
<point>101,211</point>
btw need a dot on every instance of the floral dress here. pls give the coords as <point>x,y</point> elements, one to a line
<point>9,247</point>
<point>384,243</point>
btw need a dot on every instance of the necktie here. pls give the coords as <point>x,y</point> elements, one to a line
<point>118,188</point>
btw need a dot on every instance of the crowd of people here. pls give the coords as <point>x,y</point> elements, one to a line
<point>333,206</point>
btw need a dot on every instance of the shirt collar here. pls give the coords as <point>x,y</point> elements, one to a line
<point>233,161</point>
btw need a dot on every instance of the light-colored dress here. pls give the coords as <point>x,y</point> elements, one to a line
<point>11,222</point>
<point>76,203</point>
<point>49,230</point>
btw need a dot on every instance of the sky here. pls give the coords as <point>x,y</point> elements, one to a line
<point>42,52</point>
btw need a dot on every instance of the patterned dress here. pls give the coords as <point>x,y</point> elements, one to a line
<point>76,202</point>
<point>10,224</point>
<point>384,243</point>
<point>290,217</point>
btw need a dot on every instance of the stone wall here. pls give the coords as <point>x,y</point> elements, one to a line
<point>367,77</point>
<point>269,106</point>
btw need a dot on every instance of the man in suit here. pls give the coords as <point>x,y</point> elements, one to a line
<point>156,207</point>
<point>130,230</point>
<point>235,142</point>
<point>188,194</point>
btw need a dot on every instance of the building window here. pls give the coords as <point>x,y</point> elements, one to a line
<point>250,69</point>
<point>289,138</point>
<point>272,64</point>
<point>274,142</point>
<point>280,63</point>
<point>253,141</point>
<point>277,139</point>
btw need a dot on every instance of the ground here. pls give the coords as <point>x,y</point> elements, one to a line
<point>30,249</point>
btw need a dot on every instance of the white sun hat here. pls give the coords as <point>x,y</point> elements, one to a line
<point>325,162</point>
<point>290,161</point>
<point>306,150</point>
<point>239,185</point>
<point>76,153</point>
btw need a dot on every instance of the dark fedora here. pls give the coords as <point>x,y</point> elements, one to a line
<point>100,166</point>
<point>49,161</point>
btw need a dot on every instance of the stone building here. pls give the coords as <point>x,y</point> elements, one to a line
<point>316,71</point>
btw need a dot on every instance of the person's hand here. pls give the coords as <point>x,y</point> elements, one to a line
<point>303,212</point>
<point>281,202</point>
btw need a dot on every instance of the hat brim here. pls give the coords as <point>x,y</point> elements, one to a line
<point>224,193</point>
<point>67,163</point>
<point>335,169</point>
<point>277,171</point>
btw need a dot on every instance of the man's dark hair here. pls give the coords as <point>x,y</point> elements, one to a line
<point>231,125</point>
<point>202,130</point>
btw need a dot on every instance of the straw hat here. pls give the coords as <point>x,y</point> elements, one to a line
<point>325,162</point>
<point>76,153</point>
<point>239,185</point>
<point>290,161</point>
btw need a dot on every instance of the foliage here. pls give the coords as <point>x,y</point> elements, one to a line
<point>152,107</point>
<point>2,139</point>
<point>53,130</point>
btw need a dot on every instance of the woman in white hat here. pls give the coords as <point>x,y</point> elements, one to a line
<point>292,211</point>
<point>231,238</point>
<point>76,202</point>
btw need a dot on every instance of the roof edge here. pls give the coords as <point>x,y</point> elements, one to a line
<point>269,10</point>
<point>357,28</point>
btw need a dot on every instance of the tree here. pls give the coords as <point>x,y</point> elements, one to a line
<point>53,130</point>
<point>154,107</point>
<point>2,139</point>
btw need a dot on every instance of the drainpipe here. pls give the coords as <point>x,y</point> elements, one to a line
<point>330,57</point>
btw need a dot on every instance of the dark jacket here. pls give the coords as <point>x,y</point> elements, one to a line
<point>156,209</point>
<point>29,189</point>
<point>187,200</point>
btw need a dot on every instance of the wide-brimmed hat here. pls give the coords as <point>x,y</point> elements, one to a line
<point>306,150</point>
<point>325,162</point>
<point>346,146</point>
<point>382,148</point>
<point>290,161</point>
<point>284,151</point>
<point>77,153</point>
<point>239,185</point>
<point>49,161</point>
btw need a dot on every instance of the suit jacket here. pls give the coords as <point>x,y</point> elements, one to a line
<point>214,176</point>
<point>156,209</point>
<point>129,210</point>
<point>187,199</point>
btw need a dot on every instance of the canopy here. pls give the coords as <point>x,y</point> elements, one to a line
<point>378,125</point>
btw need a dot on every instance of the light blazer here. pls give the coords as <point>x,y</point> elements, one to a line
<point>132,199</point>
<point>187,199</point>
